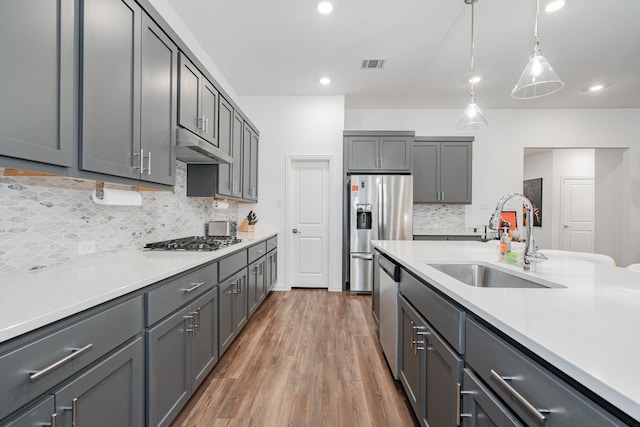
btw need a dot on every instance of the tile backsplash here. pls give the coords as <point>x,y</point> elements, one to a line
<point>42,219</point>
<point>428,218</point>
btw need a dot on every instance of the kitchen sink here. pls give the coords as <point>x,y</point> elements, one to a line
<point>483,276</point>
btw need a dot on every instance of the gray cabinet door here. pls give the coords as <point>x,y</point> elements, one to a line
<point>253,167</point>
<point>225,143</point>
<point>481,408</point>
<point>274,269</point>
<point>426,172</point>
<point>228,289</point>
<point>241,301</point>
<point>455,172</point>
<point>42,414</point>
<point>38,73</point>
<point>168,368</point>
<point>443,377</point>
<point>246,162</point>
<point>189,96</point>
<point>395,153</point>
<point>363,153</point>
<point>236,167</point>
<point>253,296</point>
<point>209,112</point>
<point>109,394</point>
<point>262,283</point>
<point>110,54</point>
<point>158,104</point>
<point>412,358</point>
<point>204,345</point>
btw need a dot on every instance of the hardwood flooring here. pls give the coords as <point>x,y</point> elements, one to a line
<point>306,358</point>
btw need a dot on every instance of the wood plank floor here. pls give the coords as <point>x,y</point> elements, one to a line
<point>306,358</point>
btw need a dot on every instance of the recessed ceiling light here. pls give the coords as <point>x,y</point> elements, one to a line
<point>325,81</point>
<point>596,88</point>
<point>324,7</point>
<point>475,79</point>
<point>554,5</point>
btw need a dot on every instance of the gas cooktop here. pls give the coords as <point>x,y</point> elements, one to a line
<point>194,243</point>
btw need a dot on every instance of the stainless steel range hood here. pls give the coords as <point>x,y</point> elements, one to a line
<point>192,149</point>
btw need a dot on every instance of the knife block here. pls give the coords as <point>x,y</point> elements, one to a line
<point>244,226</point>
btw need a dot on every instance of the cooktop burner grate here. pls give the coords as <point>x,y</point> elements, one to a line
<point>193,243</point>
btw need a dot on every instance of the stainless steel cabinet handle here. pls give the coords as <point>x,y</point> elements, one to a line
<point>77,352</point>
<point>413,329</point>
<point>206,125</point>
<point>192,288</point>
<point>54,420</point>
<point>149,163</point>
<point>191,327</point>
<point>366,257</point>
<point>459,394</point>
<point>502,381</point>
<point>259,251</point>
<point>443,199</point>
<point>196,321</point>
<point>74,412</point>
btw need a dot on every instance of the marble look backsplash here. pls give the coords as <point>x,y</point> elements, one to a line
<point>428,218</point>
<point>42,219</point>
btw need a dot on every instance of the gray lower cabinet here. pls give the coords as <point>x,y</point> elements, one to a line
<point>481,408</point>
<point>198,102</point>
<point>413,360</point>
<point>271,275</point>
<point>370,153</point>
<point>40,414</point>
<point>37,85</point>
<point>256,284</point>
<point>250,164</point>
<point>442,170</point>
<point>233,308</point>
<point>128,104</point>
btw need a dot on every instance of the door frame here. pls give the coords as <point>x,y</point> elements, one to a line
<point>290,159</point>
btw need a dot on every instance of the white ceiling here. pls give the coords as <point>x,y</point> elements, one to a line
<point>283,47</point>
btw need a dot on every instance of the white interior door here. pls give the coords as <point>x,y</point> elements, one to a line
<point>308,206</point>
<point>577,196</point>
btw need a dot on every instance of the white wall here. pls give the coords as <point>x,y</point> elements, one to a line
<point>498,150</point>
<point>296,125</point>
<point>608,223</point>
<point>541,166</point>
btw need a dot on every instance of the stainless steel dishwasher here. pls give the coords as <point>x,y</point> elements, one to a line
<point>389,274</point>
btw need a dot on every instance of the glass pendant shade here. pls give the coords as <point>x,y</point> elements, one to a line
<point>472,119</point>
<point>538,78</point>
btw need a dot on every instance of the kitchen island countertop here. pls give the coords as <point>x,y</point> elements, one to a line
<point>587,329</point>
<point>34,299</point>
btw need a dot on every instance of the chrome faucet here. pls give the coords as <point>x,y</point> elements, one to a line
<point>530,254</point>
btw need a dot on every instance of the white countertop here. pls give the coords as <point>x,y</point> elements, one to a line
<point>34,299</point>
<point>589,329</point>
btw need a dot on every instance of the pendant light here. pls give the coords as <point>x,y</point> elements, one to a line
<point>472,119</point>
<point>538,78</point>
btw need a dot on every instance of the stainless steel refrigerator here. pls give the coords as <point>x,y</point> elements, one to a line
<point>380,208</point>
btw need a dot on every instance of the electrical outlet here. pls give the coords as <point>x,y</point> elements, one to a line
<point>87,247</point>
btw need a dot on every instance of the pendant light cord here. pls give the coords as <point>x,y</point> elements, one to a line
<point>472,45</point>
<point>535,28</point>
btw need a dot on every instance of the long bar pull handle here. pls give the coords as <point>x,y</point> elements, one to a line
<point>192,323</point>
<point>74,412</point>
<point>365,257</point>
<point>77,352</point>
<point>380,211</point>
<point>196,321</point>
<point>54,419</point>
<point>192,288</point>
<point>459,394</point>
<point>537,413</point>
<point>149,163</point>
<point>412,334</point>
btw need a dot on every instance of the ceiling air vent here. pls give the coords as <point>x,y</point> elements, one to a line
<point>372,64</point>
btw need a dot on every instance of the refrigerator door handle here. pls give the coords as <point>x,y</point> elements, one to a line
<point>380,211</point>
<point>358,256</point>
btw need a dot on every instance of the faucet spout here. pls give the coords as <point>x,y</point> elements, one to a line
<point>530,254</point>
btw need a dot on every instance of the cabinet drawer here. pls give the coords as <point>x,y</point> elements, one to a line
<point>272,243</point>
<point>256,251</point>
<point>232,264</point>
<point>487,353</point>
<point>179,291</point>
<point>59,355</point>
<point>446,318</point>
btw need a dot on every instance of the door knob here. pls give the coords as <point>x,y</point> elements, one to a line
<point>296,231</point>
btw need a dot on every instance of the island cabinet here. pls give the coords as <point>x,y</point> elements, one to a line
<point>234,298</point>
<point>378,151</point>
<point>198,102</point>
<point>128,97</point>
<point>64,373</point>
<point>182,340</point>
<point>531,392</point>
<point>430,369</point>
<point>37,85</point>
<point>442,170</point>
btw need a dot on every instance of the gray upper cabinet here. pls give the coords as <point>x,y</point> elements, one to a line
<point>249,164</point>
<point>159,103</point>
<point>198,102</point>
<point>110,40</point>
<point>442,170</point>
<point>236,152</point>
<point>230,141</point>
<point>129,73</point>
<point>38,72</point>
<point>382,151</point>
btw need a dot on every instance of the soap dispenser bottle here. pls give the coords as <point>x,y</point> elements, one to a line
<point>505,242</point>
